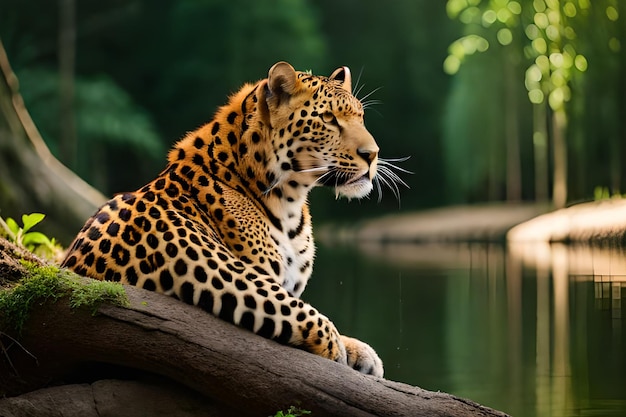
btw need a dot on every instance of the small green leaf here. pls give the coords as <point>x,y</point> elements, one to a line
<point>13,226</point>
<point>30,220</point>
<point>36,238</point>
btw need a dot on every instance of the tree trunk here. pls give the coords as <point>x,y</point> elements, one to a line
<point>236,371</point>
<point>540,149</point>
<point>621,107</point>
<point>511,131</point>
<point>67,58</point>
<point>559,187</point>
<point>31,179</point>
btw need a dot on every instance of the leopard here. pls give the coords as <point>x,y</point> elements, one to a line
<point>226,226</point>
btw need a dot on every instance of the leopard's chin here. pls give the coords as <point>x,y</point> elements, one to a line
<point>355,189</point>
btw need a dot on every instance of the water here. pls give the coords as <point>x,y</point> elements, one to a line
<point>529,330</point>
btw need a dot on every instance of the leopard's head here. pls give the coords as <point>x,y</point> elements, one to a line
<point>317,131</point>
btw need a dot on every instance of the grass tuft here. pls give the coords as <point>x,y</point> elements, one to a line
<point>292,411</point>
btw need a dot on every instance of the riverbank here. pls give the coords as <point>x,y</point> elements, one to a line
<point>486,222</point>
<point>496,222</point>
<point>597,221</point>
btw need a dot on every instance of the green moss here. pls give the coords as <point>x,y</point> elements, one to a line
<point>94,293</point>
<point>45,283</point>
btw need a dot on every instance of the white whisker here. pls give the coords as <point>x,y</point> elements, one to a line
<point>390,183</point>
<point>387,172</point>
<point>387,176</point>
<point>314,169</point>
<point>271,187</point>
<point>369,103</point>
<point>322,177</point>
<point>403,159</point>
<point>356,89</point>
<point>388,163</point>
<point>379,190</point>
<point>364,98</point>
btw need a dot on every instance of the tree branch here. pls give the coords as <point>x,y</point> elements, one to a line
<point>31,178</point>
<point>236,369</point>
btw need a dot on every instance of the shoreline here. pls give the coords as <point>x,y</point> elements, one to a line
<point>597,221</point>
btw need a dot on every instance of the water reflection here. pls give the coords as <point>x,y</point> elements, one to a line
<point>534,330</point>
<point>605,267</point>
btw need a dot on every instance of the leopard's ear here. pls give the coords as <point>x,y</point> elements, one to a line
<point>343,74</point>
<point>281,79</point>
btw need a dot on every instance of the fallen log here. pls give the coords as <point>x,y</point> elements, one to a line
<point>236,371</point>
<point>595,222</point>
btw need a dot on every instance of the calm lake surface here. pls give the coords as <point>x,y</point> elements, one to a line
<point>533,330</point>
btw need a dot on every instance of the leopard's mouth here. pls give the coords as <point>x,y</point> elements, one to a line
<point>346,185</point>
<point>338,178</point>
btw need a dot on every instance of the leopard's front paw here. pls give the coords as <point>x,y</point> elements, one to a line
<point>362,357</point>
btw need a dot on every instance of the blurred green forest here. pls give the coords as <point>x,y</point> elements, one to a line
<point>492,100</point>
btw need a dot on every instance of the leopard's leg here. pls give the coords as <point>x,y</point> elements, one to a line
<point>267,309</point>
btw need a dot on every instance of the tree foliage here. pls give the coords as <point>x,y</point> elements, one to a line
<point>106,118</point>
<point>145,75</point>
<point>179,61</point>
<point>552,42</point>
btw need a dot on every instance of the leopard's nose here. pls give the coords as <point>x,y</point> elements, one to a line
<point>368,154</point>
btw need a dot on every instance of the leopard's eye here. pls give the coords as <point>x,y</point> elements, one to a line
<point>329,117</point>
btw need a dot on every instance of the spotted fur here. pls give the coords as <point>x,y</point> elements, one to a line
<point>226,225</point>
